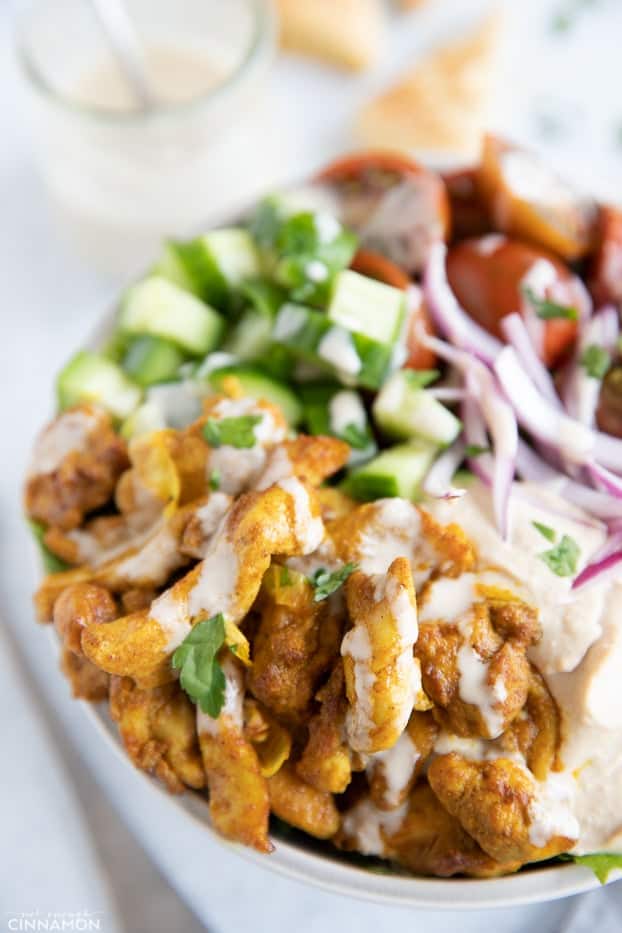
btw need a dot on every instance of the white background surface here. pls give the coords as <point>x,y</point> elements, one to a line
<point>63,846</point>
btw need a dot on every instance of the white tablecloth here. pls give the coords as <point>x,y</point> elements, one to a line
<point>65,847</point>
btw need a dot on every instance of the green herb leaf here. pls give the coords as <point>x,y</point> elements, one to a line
<point>355,436</point>
<point>549,310</point>
<point>285,578</point>
<point>234,432</point>
<point>562,559</point>
<point>214,480</point>
<point>420,378</point>
<point>51,563</point>
<point>545,531</point>
<point>325,583</point>
<point>201,676</point>
<point>596,361</point>
<point>601,863</point>
<point>474,450</point>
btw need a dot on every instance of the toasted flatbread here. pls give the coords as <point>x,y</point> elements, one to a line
<point>411,4</point>
<point>346,33</point>
<point>443,104</point>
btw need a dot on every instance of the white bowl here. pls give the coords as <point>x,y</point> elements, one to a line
<point>308,861</point>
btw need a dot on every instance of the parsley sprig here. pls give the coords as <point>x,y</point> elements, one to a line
<point>326,583</point>
<point>601,863</point>
<point>545,531</point>
<point>201,675</point>
<point>549,310</point>
<point>355,436</point>
<point>233,432</point>
<point>562,559</point>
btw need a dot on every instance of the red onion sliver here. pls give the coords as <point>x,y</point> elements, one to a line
<point>516,334</point>
<point>605,479</point>
<point>474,432</point>
<point>447,393</point>
<point>597,570</point>
<point>438,481</point>
<point>581,391</point>
<point>449,317</point>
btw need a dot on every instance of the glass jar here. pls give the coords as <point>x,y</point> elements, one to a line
<point>123,178</point>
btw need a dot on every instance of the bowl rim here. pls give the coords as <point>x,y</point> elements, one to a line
<point>291,860</point>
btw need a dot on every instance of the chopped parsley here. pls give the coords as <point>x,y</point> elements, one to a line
<point>545,531</point>
<point>214,480</point>
<point>549,310</point>
<point>596,361</point>
<point>201,675</point>
<point>601,863</point>
<point>562,559</point>
<point>420,378</point>
<point>285,577</point>
<point>232,432</point>
<point>355,436</point>
<point>326,583</point>
<point>475,450</point>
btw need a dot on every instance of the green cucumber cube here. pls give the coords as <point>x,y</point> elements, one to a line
<point>403,410</point>
<point>368,307</point>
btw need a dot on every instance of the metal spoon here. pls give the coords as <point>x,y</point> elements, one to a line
<point>127,49</point>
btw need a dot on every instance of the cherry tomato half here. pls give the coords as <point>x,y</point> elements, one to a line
<point>489,274</point>
<point>605,279</point>
<point>383,270</point>
<point>397,206</point>
<point>527,199</point>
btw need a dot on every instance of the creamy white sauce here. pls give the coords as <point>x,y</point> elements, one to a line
<point>278,467</point>
<point>448,599</point>
<point>309,528</point>
<point>368,826</point>
<point>396,765</point>
<point>345,408</point>
<point>232,713</point>
<point>172,618</point>
<point>475,689</point>
<point>316,271</point>
<point>238,468</point>
<point>336,348</point>
<point>289,321</point>
<point>356,644</point>
<point>327,226</point>
<point>215,588</point>
<point>395,526</point>
<point>551,810</point>
<point>68,433</point>
<point>154,562</point>
<point>212,513</point>
<point>265,432</point>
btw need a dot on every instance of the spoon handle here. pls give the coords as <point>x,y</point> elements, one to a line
<point>127,48</point>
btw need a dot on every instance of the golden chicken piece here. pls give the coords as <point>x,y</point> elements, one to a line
<point>202,524</point>
<point>80,605</point>
<point>335,505</point>
<point>270,739</point>
<point>295,643</point>
<point>75,465</point>
<point>536,733</point>
<point>301,805</point>
<point>87,544</point>
<point>393,773</point>
<point>326,762</point>
<point>373,534</point>
<point>475,668</point>
<point>512,816</point>
<point>158,730</point>
<point>382,675</point>
<point>87,681</point>
<point>310,458</point>
<point>432,842</point>
<point>238,793</point>
<point>280,520</point>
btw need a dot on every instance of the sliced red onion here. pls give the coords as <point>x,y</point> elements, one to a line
<point>599,570</point>
<point>576,442</point>
<point>446,312</point>
<point>438,481</point>
<point>447,393</point>
<point>516,334</point>
<point>606,480</point>
<point>581,391</point>
<point>534,469</point>
<point>475,435</point>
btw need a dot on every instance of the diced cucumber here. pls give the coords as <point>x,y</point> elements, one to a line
<point>367,306</point>
<point>148,417</point>
<point>161,309</point>
<point>171,266</point>
<point>217,263</point>
<point>92,377</point>
<point>402,409</point>
<point>354,358</point>
<point>151,359</point>
<point>258,384</point>
<point>397,471</point>
<point>251,337</point>
<point>212,361</point>
<point>331,409</point>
